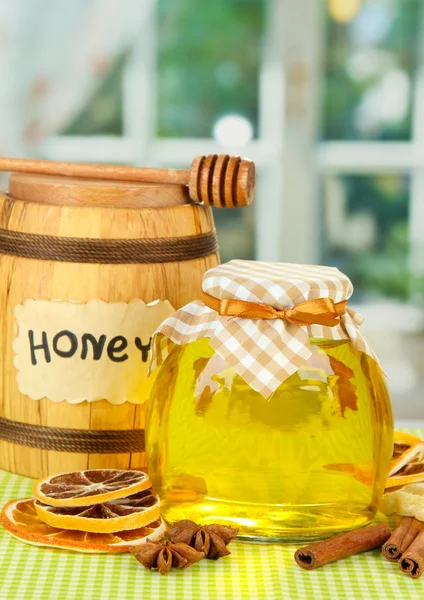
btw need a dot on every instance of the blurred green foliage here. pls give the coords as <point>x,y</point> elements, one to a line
<point>103,114</point>
<point>383,269</point>
<point>208,64</point>
<point>396,49</point>
<point>236,232</point>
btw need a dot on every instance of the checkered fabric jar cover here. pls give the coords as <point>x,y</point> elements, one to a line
<point>264,352</point>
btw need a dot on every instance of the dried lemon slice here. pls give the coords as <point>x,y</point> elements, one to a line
<point>20,519</point>
<point>122,514</point>
<point>403,437</point>
<point>407,502</point>
<point>407,465</point>
<point>83,488</point>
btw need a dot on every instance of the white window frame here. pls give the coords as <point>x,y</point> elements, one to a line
<point>139,144</point>
<point>306,161</point>
<point>289,160</point>
<point>362,158</point>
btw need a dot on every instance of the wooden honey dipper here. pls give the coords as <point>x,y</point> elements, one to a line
<point>216,180</point>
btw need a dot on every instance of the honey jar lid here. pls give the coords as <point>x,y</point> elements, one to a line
<point>261,316</point>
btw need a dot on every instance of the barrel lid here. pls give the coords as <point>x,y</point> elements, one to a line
<point>69,191</point>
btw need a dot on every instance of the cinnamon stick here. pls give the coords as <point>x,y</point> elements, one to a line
<point>395,545</point>
<point>412,562</point>
<point>414,530</point>
<point>343,545</point>
<point>402,537</point>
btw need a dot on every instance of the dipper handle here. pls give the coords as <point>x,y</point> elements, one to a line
<point>222,181</point>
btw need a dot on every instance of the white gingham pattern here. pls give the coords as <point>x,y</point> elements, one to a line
<point>263,352</point>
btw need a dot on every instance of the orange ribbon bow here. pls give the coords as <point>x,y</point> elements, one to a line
<point>322,311</point>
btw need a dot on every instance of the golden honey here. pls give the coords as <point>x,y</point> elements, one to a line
<point>309,461</point>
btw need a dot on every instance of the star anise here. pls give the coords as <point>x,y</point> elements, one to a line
<point>210,539</point>
<point>165,554</point>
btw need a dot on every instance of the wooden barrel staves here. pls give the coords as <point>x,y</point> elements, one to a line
<point>80,260</point>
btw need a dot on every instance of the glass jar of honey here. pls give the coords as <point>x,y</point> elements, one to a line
<point>269,411</point>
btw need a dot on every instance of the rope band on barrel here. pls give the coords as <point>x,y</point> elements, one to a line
<point>115,441</point>
<point>122,251</point>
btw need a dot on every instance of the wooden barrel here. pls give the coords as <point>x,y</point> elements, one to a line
<point>76,258</point>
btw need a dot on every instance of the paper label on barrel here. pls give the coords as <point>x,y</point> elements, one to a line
<point>76,351</point>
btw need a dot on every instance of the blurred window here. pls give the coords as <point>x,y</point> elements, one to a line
<point>236,230</point>
<point>208,65</point>
<point>196,86</point>
<point>103,115</point>
<point>365,232</point>
<point>371,131</point>
<point>202,80</point>
<point>370,67</point>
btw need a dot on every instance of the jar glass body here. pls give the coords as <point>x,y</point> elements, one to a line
<point>309,461</point>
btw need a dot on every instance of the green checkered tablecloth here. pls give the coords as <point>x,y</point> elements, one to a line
<point>257,572</point>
